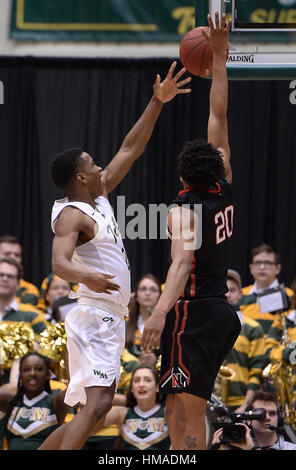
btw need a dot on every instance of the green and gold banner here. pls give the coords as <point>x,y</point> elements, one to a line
<point>102,20</point>
<point>266,12</point>
<point>259,13</point>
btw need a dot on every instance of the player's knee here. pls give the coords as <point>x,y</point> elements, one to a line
<point>108,400</point>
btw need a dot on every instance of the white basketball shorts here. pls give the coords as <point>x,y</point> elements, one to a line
<point>95,342</point>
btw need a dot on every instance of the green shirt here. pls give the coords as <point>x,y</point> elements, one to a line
<point>31,422</point>
<point>28,314</point>
<point>247,360</point>
<point>27,293</point>
<point>145,430</point>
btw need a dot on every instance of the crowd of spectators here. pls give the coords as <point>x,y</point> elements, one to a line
<point>31,393</point>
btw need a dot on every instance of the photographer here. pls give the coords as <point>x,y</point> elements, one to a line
<point>267,432</point>
<point>263,431</point>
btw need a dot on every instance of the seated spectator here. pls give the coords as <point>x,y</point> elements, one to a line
<point>265,267</point>
<point>267,432</point>
<point>147,292</point>
<point>55,289</point>
<point>260,435</point>
<point>10,247</point>
<point>34,412</point>
<point>56,386</point>
<point>11,310</point>
<point>10,307</point>
<point>247,357</point>
<point>42,305</point>
<point>142,421</point>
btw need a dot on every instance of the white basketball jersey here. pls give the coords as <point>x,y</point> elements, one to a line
<point>105,253</point>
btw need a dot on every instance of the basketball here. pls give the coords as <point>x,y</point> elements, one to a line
<point>195,52</point>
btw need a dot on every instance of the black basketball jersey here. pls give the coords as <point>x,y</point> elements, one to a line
<point>210,261</point>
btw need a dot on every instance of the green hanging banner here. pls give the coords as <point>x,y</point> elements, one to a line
<point>263,12</point>
<point>102,20</point>
<point>259,13</point>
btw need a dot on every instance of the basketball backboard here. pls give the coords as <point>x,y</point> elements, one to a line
<point>262,39</point>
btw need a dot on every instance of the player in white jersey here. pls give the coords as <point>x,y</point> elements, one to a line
<point>87,248</point>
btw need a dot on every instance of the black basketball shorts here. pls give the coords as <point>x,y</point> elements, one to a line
<point>196,338</point>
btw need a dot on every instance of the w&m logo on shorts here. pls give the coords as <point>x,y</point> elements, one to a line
<point>100,374</point>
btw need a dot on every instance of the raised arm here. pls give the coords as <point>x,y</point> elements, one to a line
<point>136,140</point>
<point>217,125</point>
<point>71,224</point>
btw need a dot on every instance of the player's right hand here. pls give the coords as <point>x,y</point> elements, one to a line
<point>101,283</point>
<point>152,332</point>
<point>219,34</point>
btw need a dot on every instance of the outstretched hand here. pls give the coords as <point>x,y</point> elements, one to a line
<point>219,34</point>
<point>170,87</point>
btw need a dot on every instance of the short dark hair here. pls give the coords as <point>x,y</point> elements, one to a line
<point>9,239</point>
<point>263,395</point>
<point>264,248</point>
<point>14,263</point>
<point>200,164</point>
<point>64,166</point>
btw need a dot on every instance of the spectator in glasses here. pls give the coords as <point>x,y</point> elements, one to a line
<point>268,433</point>
<point>265,267</point>
<point>11,309</point>
<point>10,247</point>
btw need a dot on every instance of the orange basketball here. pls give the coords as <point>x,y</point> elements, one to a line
<point>195,52</point>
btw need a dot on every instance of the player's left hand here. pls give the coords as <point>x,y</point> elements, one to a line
<point>171,86</point>
<point>152,332</point>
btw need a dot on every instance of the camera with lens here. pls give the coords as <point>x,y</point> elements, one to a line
<point>229,421</point>
<point>234,432</point>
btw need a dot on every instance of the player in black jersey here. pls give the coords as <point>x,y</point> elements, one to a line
<point>192,321</point>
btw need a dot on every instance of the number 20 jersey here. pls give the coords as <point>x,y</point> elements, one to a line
<point>210,261</point>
